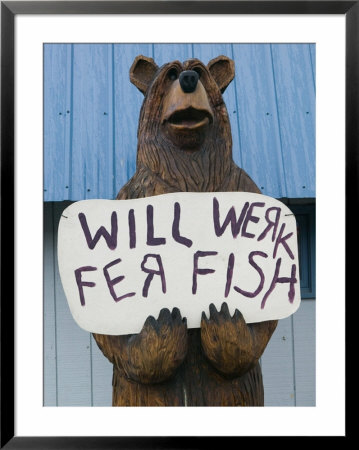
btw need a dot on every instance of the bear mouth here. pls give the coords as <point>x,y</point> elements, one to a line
<point>190,119</point>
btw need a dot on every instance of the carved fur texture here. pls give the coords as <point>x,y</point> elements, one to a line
<point>185,144</point>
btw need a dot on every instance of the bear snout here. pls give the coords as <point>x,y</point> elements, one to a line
<point>188,80</point>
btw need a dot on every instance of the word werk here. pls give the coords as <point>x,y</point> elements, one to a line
<point>238,227</point>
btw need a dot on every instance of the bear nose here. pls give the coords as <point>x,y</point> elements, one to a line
<point>188,80</point>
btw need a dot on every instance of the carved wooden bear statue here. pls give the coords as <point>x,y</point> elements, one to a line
<point>185,144</point>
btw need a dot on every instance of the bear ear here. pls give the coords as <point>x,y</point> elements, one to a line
<point>142,72</point>
<point>222,70</point>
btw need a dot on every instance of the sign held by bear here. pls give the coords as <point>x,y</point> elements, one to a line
<point>122,261</point>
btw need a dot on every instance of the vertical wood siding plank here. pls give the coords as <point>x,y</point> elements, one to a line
<point>78,165</point>
<point>92,143</point>
<point>106,160</point>
<point>164,53</point>
<point>49,351</point>
<point>73,344</point>
<point>207,52</point>
<point>312,49</point>
<point>112,175</point>
<point>304,353</point>
<point>277,367</point>
<point>258,119</point>
<point>128,101</point>
<point>66,189</point>
<point>56,87</point>
<point>296,106</point>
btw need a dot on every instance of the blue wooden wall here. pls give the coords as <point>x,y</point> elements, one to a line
<point>91,114</point>
<point>90,123</point>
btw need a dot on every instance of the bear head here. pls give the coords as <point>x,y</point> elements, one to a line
<point>184,133</point>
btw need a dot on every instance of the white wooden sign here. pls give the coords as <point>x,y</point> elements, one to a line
<point>123,260</point>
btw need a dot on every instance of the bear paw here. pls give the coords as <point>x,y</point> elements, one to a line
<point>158,350</point>
<point>228,342</point>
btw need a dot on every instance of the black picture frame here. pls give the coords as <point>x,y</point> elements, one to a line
<point>9,9</point>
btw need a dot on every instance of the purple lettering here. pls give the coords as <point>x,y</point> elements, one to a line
<point>111,239</point>
<point>80,283</point>
<point>276,279</point>
<point>230,218</point>
<point>282,240</point>
<point>260,272</point>
<point>251,218</point>
<point>271,224</point>
<point>175,227</point>
<point>111,282</point>
<point>197,271</point>
<point>151,240</point>
<point>152,273</point>
<point>229,274</point>
<point>132,228</point>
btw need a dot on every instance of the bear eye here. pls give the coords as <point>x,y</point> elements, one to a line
<point>199,71</point>
<point>172,74</point>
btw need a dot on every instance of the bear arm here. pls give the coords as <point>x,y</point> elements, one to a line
<point>154,354</point>
<point>262,332</point>
<point>232,346</point>
<point>247,184</point>
<point>106,344</point>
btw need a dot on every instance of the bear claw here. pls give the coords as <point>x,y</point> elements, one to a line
<point>222,315</point>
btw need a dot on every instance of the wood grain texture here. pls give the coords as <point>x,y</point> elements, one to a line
<point>162,53</point>
<point>251,91</point>
<point>57,123</point>
<point>296,113</point>
<point>260,145</point>
<point>288,376</point>
<point>205,386</point>
<point>232,346</point>
<point>184,144</point>
<point>92,111</point>
<point>127,103</point>
<point>272,140</point>
<point>206,53</point>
